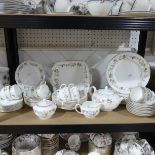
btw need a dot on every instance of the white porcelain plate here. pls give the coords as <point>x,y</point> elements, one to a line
<point>29,73</point>
<point>68,72</point>
<point>127,70</point>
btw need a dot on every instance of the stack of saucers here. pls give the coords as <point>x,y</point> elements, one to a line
<point>6,140</point>
<point>14,7</point>
<point>141,102</point>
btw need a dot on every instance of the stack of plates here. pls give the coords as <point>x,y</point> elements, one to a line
<point>14,7</point>
<point>140,109</point>
<point>50,143</point>
<point>6,140</point>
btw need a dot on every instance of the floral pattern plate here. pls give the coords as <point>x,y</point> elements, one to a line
<point>127,70</point>
<point>68,72</point>
<point>29,74</point>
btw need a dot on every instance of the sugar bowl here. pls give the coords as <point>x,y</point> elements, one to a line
<point>45,109</point>
<point>108,99</point>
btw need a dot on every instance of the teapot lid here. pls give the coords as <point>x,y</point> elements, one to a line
<point>45,103</point>
<point>108,91</point>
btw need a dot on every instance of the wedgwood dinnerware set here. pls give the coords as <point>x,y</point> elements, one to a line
<point>71,82</point>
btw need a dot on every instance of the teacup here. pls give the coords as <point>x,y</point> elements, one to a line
<point>5,93</point>
<point>83,89</point>
<point>74,92</point>
<point>42,91</point>
<point>137,94</point>
<point>63,93</point>
<point>89,109</point>
<point>74,142</point>
<point>15,92</point>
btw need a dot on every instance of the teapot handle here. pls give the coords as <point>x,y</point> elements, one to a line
<point>92,89</point>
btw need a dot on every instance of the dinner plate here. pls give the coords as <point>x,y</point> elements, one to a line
<point>68,72</point>
<point>29,74</point>
<point>126,71</point>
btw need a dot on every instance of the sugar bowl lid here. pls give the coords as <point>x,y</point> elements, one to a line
<point>45,103</point>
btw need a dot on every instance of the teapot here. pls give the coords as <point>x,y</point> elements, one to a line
<point>108,99</point>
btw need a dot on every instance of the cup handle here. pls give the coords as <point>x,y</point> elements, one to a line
<point>92,90</point>
<point>76,108</point>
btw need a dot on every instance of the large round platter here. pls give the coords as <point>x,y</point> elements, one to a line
<point>127,70</point>
<point>68,72</point>
<point>29,73</point>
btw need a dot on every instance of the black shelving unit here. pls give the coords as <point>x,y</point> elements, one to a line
<point>11,22</point>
